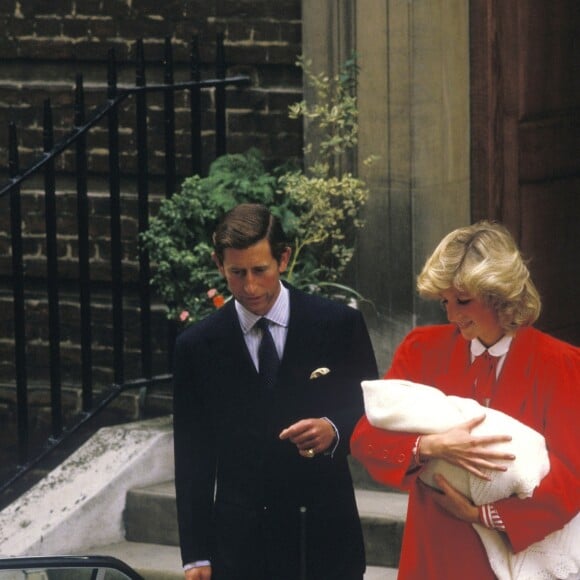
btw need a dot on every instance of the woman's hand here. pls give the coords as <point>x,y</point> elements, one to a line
<point>459,447</point>
<point>452,501</point>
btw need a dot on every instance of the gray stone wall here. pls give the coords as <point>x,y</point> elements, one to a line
<point>413,98</point>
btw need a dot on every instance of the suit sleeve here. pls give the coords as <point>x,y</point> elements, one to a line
<point>194,454</point>
<point>358,363</point>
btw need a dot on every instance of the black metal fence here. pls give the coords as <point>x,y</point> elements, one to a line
<point>74,144</point>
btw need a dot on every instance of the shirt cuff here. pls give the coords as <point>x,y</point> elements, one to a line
<point>196,564</point>
<point>335,446</point>
<point>490,518</point>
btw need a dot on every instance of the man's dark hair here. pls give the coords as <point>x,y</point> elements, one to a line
<point>246,225</point>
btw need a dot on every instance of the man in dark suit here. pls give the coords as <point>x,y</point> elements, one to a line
<point>263,486</point>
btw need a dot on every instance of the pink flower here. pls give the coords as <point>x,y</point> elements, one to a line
<point>217,299</point>
<point>184,315</point>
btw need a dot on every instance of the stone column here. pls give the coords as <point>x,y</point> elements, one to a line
<point>413,96</point>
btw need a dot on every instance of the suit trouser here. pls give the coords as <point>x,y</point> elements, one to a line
<point>280,545</point>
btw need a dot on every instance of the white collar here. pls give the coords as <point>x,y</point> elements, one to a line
<point>500,348</point>
<point>278,314</point>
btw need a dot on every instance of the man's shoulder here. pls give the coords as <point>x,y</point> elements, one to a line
<point>319,304</point>
<point>211,325</point>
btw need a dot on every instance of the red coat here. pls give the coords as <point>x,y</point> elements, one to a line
<point>538,385</point>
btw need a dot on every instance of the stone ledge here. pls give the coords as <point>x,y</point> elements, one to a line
<point>80,503</point>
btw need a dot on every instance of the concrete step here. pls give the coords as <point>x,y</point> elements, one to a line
<point>378,573</point>
<point>157,562</point>
<point>361,478</point>
<point>382,514</point>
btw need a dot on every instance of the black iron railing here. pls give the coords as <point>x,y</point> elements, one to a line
<point>75,143</point>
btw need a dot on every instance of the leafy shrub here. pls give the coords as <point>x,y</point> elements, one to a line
<point>319,208</point>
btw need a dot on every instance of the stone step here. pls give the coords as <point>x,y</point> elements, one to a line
<point>382,514</point>
<point>158,562</point>
<point>361,478</point>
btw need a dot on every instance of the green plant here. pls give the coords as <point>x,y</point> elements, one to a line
<point>334,114</point>
<point>319,207</point>
<point>179,237</point>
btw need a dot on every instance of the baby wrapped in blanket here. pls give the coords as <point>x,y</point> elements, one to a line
<point>399,405</point>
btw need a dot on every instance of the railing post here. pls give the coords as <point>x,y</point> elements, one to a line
<point>170,161</point>
<point>220,98</point>
<point>195,108</point>
<point>169,120</point>
<point>18,294</point>
<point>115,209</point>
<point>52,273</point>
<point>46,166</point>
<point>83,244</point>
<point>143,205</point>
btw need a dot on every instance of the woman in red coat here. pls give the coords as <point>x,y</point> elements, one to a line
<point>479,276</point>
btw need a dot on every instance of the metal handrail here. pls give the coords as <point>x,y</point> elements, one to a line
<point>110,395</point>
<point>103,110</point>
<point>45,166</point>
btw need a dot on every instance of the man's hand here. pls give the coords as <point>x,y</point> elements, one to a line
<point>452,501</point>
<point>199,573</point>
<point>459,447</point>
<point>315,434</point>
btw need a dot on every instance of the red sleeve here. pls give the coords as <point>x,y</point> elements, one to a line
<point>557,498</point>
<point>409,356</point>
<point>386,455</point>
<point>426,355</point>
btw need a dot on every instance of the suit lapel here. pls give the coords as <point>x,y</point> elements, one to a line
<point>303,336</point>
<point>228,340</point>
<point>299,328</point>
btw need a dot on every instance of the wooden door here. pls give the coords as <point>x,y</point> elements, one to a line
<point>525,141</point>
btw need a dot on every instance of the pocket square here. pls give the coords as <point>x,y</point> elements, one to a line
<point>319,372</point>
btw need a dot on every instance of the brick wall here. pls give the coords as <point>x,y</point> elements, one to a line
<point>43,45</point>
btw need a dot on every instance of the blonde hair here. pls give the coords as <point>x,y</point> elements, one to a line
<point>483,261</point>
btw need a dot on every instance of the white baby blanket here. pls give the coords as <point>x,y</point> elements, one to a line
<point>400,405</point>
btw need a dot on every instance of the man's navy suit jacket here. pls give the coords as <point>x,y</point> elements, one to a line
<point>227,427</point>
